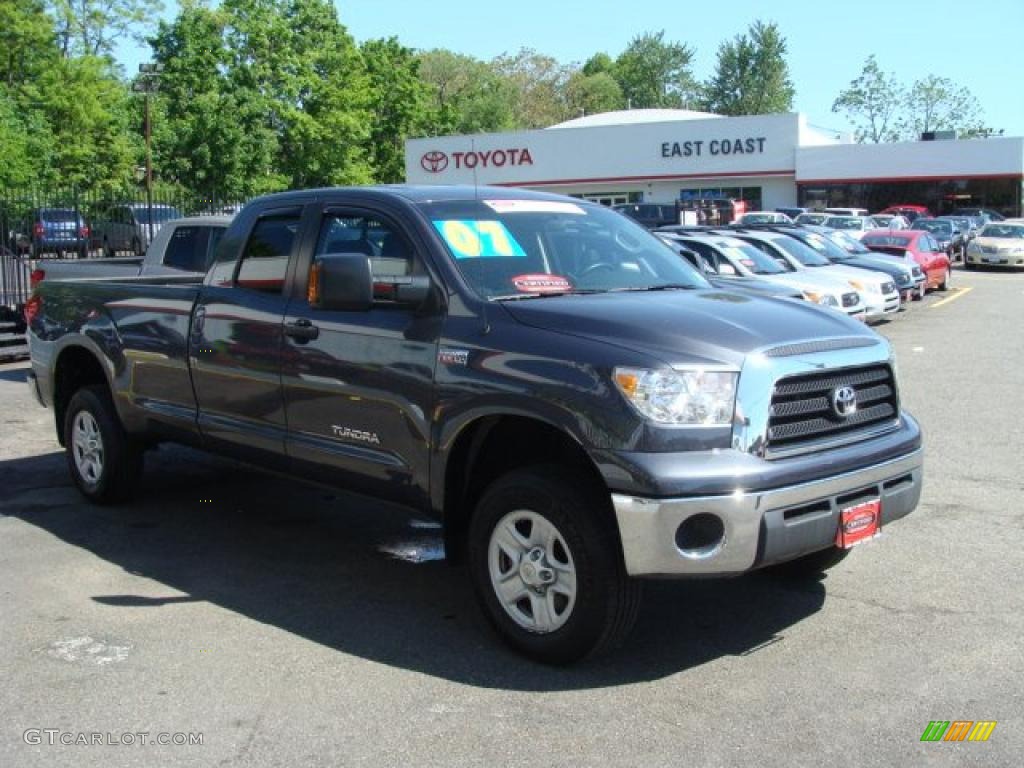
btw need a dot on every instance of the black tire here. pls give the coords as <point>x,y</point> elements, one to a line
<point>606,599</point>
<point>944,285</point>
<point>108,253</point>
<point>813,565</point>
<point>920,292</point>
<point>137,247</point>
<point>120,460</point>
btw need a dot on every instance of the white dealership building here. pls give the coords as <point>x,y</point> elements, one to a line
<point>770,161</point>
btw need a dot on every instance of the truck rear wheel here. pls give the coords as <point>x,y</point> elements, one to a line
<point>547,567</point>
<point>103,462</point>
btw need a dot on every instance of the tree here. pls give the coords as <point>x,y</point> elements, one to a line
<point>537,83</point>
<point>27,42</point>
<point>873,102</point>
<point>938,104</point>
<point>25,144</point>
<point>599,63</point>
<point>93,27</point>
<point>399,104</point>
<point>589,94</point>
<point>467,95</point>
<point>653,73</point>
<point>751,75</point>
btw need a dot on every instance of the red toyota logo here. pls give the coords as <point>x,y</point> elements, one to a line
<point>434,161</point>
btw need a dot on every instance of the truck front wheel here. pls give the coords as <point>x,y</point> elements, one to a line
<point>103,461</point>
<point>547,568</point>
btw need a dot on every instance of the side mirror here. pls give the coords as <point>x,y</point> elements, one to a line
<point>726,269</point>
<point>341,281</point>
<point>411,290</point>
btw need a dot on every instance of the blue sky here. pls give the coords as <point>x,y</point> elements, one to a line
<point>975,44</point>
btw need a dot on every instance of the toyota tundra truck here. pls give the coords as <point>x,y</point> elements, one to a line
<point>578,407</point>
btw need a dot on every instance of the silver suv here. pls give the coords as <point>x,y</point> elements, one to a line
<point>127,227</point>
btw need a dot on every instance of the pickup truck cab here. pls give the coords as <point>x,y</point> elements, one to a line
<point>181,246</point>
<point>577,405</point>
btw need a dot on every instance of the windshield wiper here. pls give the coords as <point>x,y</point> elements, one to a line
<point>668,287</point>
<point>547,294</point>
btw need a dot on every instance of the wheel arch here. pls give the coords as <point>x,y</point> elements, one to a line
<point>491,445</point>
<point>76,366</point>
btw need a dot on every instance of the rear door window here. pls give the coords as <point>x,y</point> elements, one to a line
<point>186,249</point>
<point>265,258</point>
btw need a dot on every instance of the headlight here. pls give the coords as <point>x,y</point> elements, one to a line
<point>668,396</point>
<point>826,300</point>
<point>974,247</point>
<point>869,287</point>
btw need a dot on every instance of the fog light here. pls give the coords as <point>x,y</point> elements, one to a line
<point>700,536</point>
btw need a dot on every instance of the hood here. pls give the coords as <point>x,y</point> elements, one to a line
<point>847,273</point>
<point>1001,244</point>
<point>754,285</point>
<point>703,326</point>
<point>807,280</point>
<point>890,268</point>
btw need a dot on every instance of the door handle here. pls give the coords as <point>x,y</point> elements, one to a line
<point>301,330</point>
<point>198,321</point>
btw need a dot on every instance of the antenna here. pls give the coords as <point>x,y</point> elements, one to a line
<point>476,191</point>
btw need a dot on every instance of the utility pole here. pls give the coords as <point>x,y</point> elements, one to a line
<point>146,83</point>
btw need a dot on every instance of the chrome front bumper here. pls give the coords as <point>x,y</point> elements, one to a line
<point>761,527</point>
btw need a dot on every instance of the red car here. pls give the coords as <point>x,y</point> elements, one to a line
<point>918,245</point>
<point>908,211</point>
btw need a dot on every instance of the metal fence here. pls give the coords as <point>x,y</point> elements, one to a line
<point>70,223</point>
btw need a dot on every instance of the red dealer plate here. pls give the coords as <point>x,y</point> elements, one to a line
<point>858,523</point>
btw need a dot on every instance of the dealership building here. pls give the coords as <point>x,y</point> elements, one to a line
<point>769,161</point>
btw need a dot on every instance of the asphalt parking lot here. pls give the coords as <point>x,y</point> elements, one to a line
<point>291,625</point>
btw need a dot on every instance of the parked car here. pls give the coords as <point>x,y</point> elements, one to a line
<point>908,211</point>
<point>577,405</point>
<point>968,227</point>
<point>56,231</point>
<point>920,246</point>
<point>987,213</point>
<point>792,212</point>
<point>814,218</point>
<point>762,217</point>
<point>855,247</point>
<point>735,256</point>
<point>708,264</point>
<point>817,238</point>
<point>127,227</point>
<point>999,244</point>
<point>889,221</point>
<point>946,233</point>
<point>855,226</point>
<point>877,290</point>
<point>650,215</point>
<point>181,247</point>
<point>846,211</point>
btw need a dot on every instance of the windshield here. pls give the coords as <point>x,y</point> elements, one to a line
<point>844,222</point>
<point>811,218</point>
<point>827,247</point>
<point>935,226</point>
<point>528,248</point>
<point>761,218</point>
<point>744,256</point>
<point>847,243</point>
<point>802,252</point>
<point>893,240</point>
<point>1002,230</point>
<point>57,214</point>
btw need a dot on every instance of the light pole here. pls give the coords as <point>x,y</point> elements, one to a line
<point>146,83</point>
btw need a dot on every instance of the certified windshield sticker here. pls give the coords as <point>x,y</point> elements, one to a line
<point>533,206</point>
<point>473,239</point>
<point>541,284</point>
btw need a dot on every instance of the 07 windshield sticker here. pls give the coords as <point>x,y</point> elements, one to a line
<point>479,239</point>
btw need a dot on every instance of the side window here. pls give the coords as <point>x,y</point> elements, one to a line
<point>390,253</point>
<point>265,258</point>
<point>186,249</point>
<point>706,252</point>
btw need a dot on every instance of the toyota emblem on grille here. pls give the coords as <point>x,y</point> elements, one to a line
<point>434,161</point>
<point>844,401</point>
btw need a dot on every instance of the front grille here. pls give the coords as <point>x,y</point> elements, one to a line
<point>850,299</point>
<point>802,408</point>
<point>989,249</point>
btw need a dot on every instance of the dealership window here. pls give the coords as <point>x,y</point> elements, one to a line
<point>750,195</point>
<point>1003,195</point>
<point>611,198</point>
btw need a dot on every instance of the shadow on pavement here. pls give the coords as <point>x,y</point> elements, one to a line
<point>13,371</point>
<point>323,565</point>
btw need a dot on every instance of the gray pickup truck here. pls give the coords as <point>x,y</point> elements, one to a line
<point>180,246</point>
<point>577,405</point>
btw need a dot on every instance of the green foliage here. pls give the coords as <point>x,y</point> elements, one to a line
<point>883,109</point>
<point>26,41</point>
<point>399,102</point>
<point>653,73</point>
<point>466,94</point>
<point>588,94</point>
<point>599,63</point>
<point>538,85</point>
<point>93,27</point>
<point>751,75</point>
